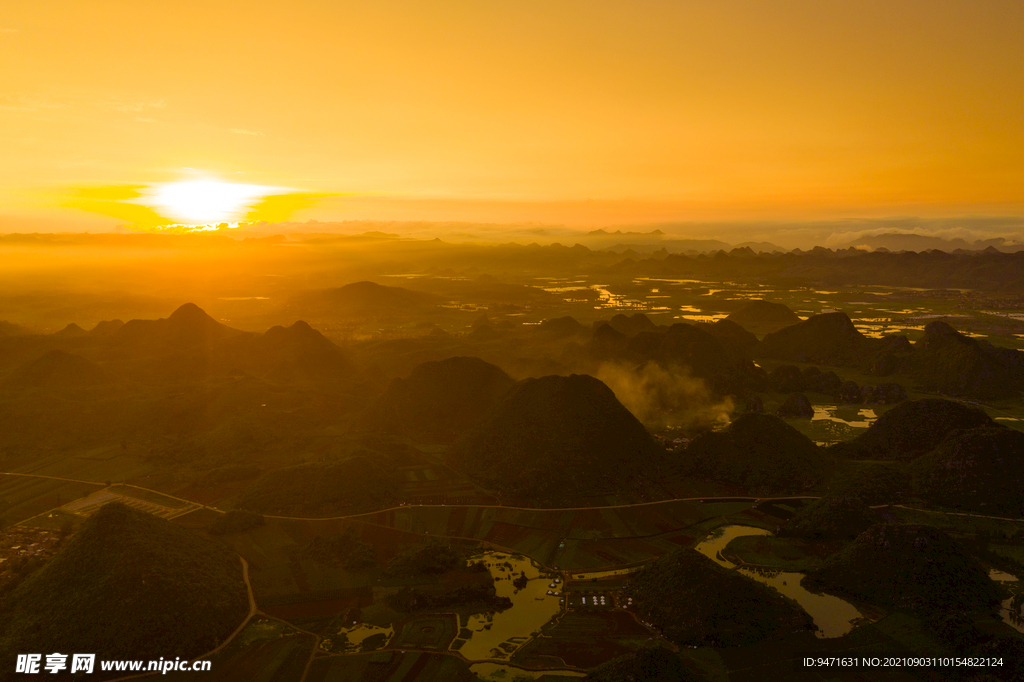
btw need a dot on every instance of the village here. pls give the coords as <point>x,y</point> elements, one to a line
<point>20,546</point>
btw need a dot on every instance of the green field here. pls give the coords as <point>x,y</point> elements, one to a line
<point>584,639</point>
<point>425,632</point>
<point>777,553</point>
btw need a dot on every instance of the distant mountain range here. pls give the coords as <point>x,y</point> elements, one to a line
<point>903,241</point>
<point>188,344</point>
<point>657,240</point>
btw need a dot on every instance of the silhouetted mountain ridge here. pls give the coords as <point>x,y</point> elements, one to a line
<point>187,326</point>
<point>912,429</point>
<point>829,338</point>
<point>440,399</point>
<point>365,300</point>
<point>945,360</point>
<point>759,452</point>
<point>58,369</point>
<point>979,469</point>
<point>127,585</point>
<point>764,316</point>
<point>557,437</point>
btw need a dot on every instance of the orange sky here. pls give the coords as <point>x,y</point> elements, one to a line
<point>574,112</point>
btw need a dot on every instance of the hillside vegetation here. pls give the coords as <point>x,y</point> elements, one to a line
<point>127,585</point>
<point>829,338</point>
<point>765,316</point>
<point>759,452</point>
<point>832,517</point>
<point>980,469</point>
<point>946,361</point>
<point>557,437</point>
<point>911,429</point>
<point>440,400</point>
<point>912,567</point>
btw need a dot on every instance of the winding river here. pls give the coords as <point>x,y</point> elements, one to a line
<point>833,616</point>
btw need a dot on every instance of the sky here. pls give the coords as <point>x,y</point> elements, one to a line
<point>577,113</point>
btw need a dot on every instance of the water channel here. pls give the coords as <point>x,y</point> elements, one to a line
<point>1010,616</point>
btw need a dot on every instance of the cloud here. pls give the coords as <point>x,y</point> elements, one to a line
<point>243,131</point>
<point>807,234</point>
<point>967,229</point>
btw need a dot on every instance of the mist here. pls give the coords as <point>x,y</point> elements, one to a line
<point>665,398</point>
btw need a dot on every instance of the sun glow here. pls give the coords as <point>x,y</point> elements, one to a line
<point>205,202</point>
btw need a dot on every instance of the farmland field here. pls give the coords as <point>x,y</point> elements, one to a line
<point>584,639</point>
<point>390,666</point>
<point>265,650</point>
<point>22,497</point>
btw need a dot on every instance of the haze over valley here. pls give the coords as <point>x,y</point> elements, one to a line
<point>495,342</point>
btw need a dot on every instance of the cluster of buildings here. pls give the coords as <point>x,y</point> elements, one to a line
<point>19,544</point>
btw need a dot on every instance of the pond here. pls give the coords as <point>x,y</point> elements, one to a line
<point>351,638</point>
<point>499,635</point>
<point>833,616</point>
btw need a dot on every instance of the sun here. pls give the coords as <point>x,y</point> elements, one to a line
<point>205,202</point>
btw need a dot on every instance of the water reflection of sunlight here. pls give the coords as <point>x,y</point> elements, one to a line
<point>711,317</point>
<point>828,413</point>
<point>356,634</point>
<point>609,300</point>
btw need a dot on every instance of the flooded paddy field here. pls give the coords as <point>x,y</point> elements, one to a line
<point>875,310</point>
<point>497,636</point>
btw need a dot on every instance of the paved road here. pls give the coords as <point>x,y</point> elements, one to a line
<point>714,498</point>
<point>704,498</point>
<point>746,498</point>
